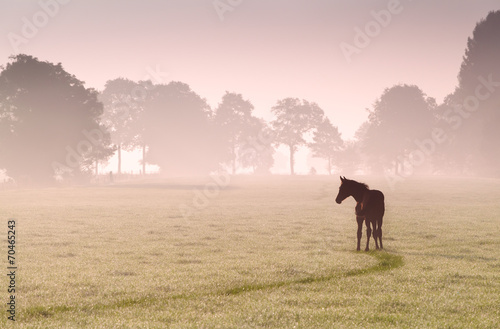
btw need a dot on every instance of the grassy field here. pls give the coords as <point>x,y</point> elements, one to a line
<point>266,253</point>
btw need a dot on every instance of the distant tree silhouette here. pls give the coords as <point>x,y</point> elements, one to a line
<point>233,118</point>
<point>124,102</point>
<point>49,122</point>
<point>179,131</point>
<point>474,107</point>
<point>399,117</point>
<point>481,56</point>
<point>326,142</point>
<point>257,150</point>
<point>99,154</point>
<point>358,157</point>
<point>453,156</point>
<point>349,159</point>
<point>293,119</point>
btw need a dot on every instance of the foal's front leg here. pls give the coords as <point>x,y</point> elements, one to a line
<point>360,220</point>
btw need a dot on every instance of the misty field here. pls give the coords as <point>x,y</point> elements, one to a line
<point>266,252</point>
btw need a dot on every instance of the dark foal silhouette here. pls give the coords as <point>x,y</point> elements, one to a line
<point>369,208</point>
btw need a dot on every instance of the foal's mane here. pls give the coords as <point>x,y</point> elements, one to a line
<point>360,185</point>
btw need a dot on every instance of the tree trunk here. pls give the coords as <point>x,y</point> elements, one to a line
<point>329,166</point>
<point>144,159</point>
<point>119,159</point>
<point>292,160</point>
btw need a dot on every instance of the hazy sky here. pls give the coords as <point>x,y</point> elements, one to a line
<point>264,49</point>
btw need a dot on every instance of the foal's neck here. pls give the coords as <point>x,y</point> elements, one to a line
<point>358,193</point>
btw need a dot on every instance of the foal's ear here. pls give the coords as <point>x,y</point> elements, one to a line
<point>342,179</point>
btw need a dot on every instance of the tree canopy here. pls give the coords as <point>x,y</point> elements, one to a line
<point>326,142</point>
<point>476,101</point>
<point>179,131</point>
<point>49,122</point>
<point>399,117</point>
<point>294,118</point>
<point>257,151</point>
<point>233,118</point>
<point>124,101</point>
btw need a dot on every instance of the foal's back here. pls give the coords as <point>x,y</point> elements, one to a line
<point>373,204</point>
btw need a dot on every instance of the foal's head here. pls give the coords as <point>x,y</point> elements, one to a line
<point>347,188</point>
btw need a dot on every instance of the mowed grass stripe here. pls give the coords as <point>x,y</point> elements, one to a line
<point>386,262</point>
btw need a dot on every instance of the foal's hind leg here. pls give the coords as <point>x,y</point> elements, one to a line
<point>375,233</point>
<point>380,237</point>
<point>379,234</point>
<point>359,219</point>
<point>368,234</point>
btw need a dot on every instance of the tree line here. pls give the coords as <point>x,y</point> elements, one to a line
<point>54,128</point>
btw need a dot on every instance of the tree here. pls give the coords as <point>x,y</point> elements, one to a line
<point>453,155</point>
<point>481,56</point>
<point>349,158</point>
<point>294,118</point>
<point>124,101</point>
<point>179,131</point>
<point>49,122</point>
<point>326,142</point>
<point>474,106</point>
<point>233,117</point>
<point>257,150</point>
<point>400,117</point>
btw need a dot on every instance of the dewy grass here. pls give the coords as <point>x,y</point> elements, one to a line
<point>386,261</point>
<point>265,253</point>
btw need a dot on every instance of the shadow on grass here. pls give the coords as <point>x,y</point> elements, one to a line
<point>386,262</point>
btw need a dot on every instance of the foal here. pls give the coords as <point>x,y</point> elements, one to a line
<point>369,208</point>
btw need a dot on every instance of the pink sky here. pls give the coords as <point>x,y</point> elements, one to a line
<point>266,50</point>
